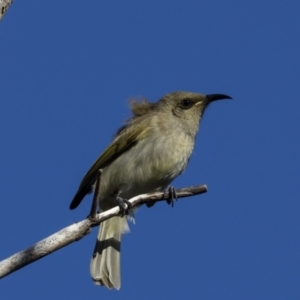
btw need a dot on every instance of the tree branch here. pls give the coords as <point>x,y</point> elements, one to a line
<point>4,5</point>
<point>78,230</point>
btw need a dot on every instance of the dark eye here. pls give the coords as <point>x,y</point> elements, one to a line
<point>186,103</point>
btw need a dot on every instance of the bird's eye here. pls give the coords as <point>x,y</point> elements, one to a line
<point>186,103</point>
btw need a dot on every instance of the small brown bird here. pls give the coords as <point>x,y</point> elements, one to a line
<point>146,155</point>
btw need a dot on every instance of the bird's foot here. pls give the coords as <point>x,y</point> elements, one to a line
<point>124,205</point>
<point>172,195</point>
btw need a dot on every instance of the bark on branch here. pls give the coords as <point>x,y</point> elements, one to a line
<point>78,230</point>
<point>4,5</point>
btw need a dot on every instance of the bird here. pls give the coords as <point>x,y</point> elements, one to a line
<point>148,152</point>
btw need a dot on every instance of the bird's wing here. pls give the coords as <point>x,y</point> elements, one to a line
<point>125,140</point>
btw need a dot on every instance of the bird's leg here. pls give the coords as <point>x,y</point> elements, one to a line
<point>122,204</point>
<point>96,199</point>
<point>172,195</point>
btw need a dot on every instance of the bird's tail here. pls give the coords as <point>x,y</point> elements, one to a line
<point>105,264</point>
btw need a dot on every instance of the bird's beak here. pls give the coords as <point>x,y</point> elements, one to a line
<point>215,97</point>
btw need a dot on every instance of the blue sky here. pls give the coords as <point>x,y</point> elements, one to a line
<point>67,71</point>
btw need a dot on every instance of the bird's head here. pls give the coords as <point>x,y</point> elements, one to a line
<point>188,107</point>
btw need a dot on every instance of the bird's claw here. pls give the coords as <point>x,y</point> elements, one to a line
<point>172,195</point>
<point>124,205</point>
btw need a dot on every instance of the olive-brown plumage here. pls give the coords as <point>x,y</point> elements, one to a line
<point>146,155</point>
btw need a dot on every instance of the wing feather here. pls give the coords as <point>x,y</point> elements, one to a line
<point>125,140</point>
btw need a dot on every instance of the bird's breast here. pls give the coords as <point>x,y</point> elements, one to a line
<point>149,166</point>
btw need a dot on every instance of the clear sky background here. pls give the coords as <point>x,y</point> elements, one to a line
<point>67,70</point>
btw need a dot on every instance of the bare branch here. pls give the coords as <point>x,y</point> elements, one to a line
<point>78,230</point>
<point>4,5</point>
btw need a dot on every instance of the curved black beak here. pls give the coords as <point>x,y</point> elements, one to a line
<point>215,97</point>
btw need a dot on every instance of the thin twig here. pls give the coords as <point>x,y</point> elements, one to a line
<point>78,230</point>
<point>96,195</point>
<point>4,5</point>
